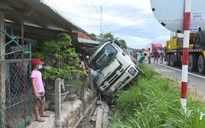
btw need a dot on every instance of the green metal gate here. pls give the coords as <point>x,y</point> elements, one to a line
<point>16,95</point>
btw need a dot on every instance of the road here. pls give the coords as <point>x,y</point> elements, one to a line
<point>195,80</point>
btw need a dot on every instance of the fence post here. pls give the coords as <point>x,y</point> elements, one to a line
<point>91,82</point>
<point>58,83</point>
<point>2,74</point>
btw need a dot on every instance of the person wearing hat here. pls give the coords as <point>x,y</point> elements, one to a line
<point>38,89</point>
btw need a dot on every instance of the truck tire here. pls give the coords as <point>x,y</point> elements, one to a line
<point>172,61</point>
<point>192,62</point>
<point>201,64</point>
<point>200,40</point>
<point>168,60</point>
<point>203,39</point>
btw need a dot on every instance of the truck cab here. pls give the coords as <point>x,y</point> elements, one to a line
<point>116,69</point>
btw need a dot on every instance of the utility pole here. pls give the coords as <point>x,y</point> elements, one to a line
<point>184,78</point>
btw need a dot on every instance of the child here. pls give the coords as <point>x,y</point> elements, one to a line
<point>38,89</point>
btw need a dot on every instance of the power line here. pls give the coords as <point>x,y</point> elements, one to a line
<point>83,11</point>
<point>73,17</point>
<point>94,6</point>
<point>90,10</point>
<point>60,12</point>
<point>93,19</point>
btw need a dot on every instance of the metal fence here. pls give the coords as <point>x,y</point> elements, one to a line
<point>16,98</point>
<point>15,90</point>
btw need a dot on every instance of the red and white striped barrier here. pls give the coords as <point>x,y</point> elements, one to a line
<point>184,80</point>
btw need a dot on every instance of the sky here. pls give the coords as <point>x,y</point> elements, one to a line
<point>130,20</point>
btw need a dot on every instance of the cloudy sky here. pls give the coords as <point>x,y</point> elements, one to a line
<point>131,20</point>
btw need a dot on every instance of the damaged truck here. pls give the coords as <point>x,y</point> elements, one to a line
<point>114,66</point>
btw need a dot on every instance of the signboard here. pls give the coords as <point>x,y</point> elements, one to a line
<point>170,14</point>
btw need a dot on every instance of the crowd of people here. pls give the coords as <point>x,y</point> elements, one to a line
<point>147,55</point>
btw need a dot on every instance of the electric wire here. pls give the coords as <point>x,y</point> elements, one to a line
<point>60,12</point>
<point>56,9</point>
<point>70,19</point>
<point>97,11</point>
<point>91,12</point>
<point>91,15</point>
<point>94,6</point>
<point>83,11</point>
<point>87,10</point>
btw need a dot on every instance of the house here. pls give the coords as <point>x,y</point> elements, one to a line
<point>23,25</point>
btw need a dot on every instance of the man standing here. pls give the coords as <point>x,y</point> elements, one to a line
<point>149,55</point>
<point>161,55</point>
<point>156,55</point>
<point>142,58</point>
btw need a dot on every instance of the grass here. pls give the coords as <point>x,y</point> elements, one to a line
<point>154,102</point>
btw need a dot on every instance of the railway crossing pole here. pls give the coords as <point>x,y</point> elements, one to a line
<point>184,78</point>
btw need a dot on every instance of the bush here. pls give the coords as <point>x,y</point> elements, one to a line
<point>62,53</point>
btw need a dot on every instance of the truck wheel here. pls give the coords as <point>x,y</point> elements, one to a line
<point>203,39</point>
<point>172,62</point>
<point>200,40</point>
<point>201,64</point>
<point>192,62</point>
<point>168,60</point>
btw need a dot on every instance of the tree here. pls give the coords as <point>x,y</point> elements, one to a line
<point>111,36</point>
<point>123,43</point>
<point>107,35</point>
<point>62,52</point>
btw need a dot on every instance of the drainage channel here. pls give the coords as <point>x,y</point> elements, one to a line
<point>98,115</point>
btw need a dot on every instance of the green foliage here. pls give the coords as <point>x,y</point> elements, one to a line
<point>154,102</point>
<point>123,43</point>
<point>63,53</point>
<point>111,36</point>
<point>108,35</point>
<point>147,72</point>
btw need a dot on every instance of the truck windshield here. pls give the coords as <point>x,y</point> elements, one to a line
<point>106,55</point>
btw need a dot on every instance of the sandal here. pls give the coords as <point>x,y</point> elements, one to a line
<point>40,120</point>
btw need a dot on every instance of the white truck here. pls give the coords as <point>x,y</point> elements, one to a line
<point>116,69</point>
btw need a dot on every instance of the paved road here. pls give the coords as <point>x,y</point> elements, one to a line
<point>194,79</point>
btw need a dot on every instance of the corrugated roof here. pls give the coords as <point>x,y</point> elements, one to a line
<point>37,13</point>
<point>39,19</point>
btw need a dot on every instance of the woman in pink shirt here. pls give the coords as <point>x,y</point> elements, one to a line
<point>38,89</point>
